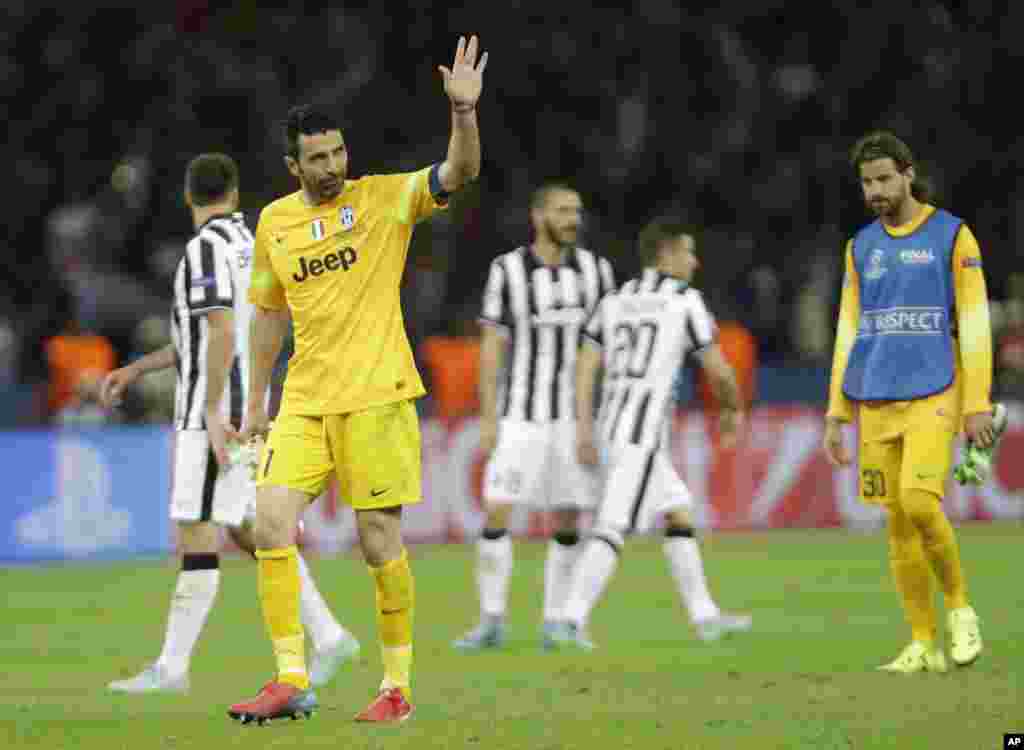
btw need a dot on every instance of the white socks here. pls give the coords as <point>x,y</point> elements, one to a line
<point>683,555</point>
<point>316,616</point>
<point>593,571</point>
<point>563,551</point>
<point>192,601</point>
<point>494,569</point>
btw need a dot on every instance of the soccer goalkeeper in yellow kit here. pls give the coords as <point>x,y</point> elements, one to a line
<point>330,258</point>
<point>913,359</point>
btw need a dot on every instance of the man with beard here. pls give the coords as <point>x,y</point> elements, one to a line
<point>330,258</point>
<point>913,360</point>
<point>535,302</point>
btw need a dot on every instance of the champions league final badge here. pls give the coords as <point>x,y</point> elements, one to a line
<point>876,265</point>
<point>318,229</point>
<point>348,217</point>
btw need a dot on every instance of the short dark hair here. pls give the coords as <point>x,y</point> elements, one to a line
<point>540,196</point>
<point>659,231</point>
<point>881,144</point>
<point>209,178</point>
<point>305,119</point>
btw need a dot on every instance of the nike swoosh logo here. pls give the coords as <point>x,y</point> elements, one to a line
<point>378,493</point>
<point>925,476</point>
<point>391,611</point>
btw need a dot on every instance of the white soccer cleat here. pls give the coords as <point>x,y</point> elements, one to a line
<point>721,625</point>
<point>153,679</point>
<point>964,635</point>
<point>917,657</point>
<point>573,636</point>
<point>325,662</point>
<point>490,633</point>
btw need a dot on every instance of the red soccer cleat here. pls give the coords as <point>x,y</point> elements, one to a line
<point>277,700</point>
<point>389,706</point>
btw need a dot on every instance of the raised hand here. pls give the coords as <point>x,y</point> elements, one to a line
<point>464,80</point>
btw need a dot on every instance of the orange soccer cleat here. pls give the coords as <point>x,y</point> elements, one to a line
<point>277,700</point>
<point>389,706</point>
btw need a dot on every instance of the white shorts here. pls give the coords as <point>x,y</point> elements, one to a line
<point>640,485</point>
<point>201,492</point>
<point>535,464</point>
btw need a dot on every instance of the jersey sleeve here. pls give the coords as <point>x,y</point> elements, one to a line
<point>412,196</point>
<point>210,284</point>
<point>607,278</point>
<point>496,303</point>
<point>593,329</point>
<point>701,325</point>
<point>839,406</point>
<point>265,288</point>
<point>973,323</point>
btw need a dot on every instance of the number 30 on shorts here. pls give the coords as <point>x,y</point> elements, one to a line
<point>873,483</point>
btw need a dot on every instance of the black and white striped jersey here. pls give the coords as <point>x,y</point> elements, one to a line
<point>213,274</point>
<point>542,308</point>
<point>645,330</point>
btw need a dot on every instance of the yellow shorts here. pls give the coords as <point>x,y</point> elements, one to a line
<point>374,453</point>
<point>907,445</point>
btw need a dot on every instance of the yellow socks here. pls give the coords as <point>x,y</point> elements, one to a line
<point>279,582</point>
<point>395,599</point>
<point>940,546</point>
<point>912,575</point>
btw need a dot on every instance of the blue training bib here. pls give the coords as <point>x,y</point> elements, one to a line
<point>904,344</point>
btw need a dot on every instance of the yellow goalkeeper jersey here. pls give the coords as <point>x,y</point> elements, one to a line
<point>337,268</point>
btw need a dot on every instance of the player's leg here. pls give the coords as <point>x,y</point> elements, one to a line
<point>880,465</point>
<point>192,502</point>
<point>926,466</point>
<point>684,559</point>
<point>625,490</point>
<point>294,469</point>
<point>193,598</point>
<point>572,490</point>
<point>381,541</point>
<point>512,477</point>
<point>493,572</point>
<point>332,644</point>
<point>562,555</point>
<point>379,471</point>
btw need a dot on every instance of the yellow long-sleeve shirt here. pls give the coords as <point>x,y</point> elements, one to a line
<point>974,339</point>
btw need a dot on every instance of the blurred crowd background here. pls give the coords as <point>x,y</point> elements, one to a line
<point>738,117</point>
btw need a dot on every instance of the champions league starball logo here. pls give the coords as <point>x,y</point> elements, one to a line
<point>876,265</point>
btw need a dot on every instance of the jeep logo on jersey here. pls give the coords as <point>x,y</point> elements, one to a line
<point>342,259</point>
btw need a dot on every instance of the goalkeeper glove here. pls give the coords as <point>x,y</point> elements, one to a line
<point>976,466</point>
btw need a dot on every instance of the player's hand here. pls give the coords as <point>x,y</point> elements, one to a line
<point>465,79</point>
<point>256,424</point>
<point>979,429</point>
<point>730,421</point>
<point>488,437</point>
<point>835,450</point>
<point>586,446</point>
<point>220,434</point>
<point>114,384</point>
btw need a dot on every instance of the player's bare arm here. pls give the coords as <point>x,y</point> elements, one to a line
<point>493,346</point>
<point>114,384</point>
<point>219,354</point>
<point>463,83</point>
<point>267,331</point>
<point>723,380</point>
<point>588,365</point>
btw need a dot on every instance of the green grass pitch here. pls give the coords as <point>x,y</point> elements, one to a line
<point>825,614</point>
